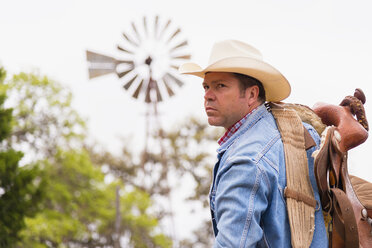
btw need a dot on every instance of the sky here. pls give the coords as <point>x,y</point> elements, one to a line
<point>323,48</point>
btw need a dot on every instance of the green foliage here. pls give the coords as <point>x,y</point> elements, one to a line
<point>187,152</point>
<point>73,201</point>
<point>44,118</point>
<point>22,194</point>
<point>5,114</point>
<point>79,207</point>
<point>191,152</point>
<point>21,188</point>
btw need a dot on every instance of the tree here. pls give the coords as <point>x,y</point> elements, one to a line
<point>188,151</point>
<point>80,200</point>
<point>43,117</point>
<point>79,208</point>
<point>21,188</point>
<point>191,153</point>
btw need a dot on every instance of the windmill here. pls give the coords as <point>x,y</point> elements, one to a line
<point>147,64</point>
<point>148,59</point>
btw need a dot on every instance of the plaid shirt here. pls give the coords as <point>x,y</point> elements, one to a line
<point>233,129</point>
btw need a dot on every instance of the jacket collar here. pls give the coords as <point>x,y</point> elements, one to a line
<point>248,123</point>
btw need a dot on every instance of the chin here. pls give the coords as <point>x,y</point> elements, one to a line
<point>214,122</point>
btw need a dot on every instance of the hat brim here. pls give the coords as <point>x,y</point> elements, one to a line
<point>276,86</point>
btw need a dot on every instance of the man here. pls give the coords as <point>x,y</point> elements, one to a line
<point>246,199</point>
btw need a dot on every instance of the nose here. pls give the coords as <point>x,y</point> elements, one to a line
<point>209,95</point>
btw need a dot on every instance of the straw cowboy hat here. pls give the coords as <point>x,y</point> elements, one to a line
<point>236,56</point>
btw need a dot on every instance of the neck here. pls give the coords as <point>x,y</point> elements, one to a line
<point>250,109</point>
<point>253,107</point>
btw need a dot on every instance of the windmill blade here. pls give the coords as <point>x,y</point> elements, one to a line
<point>158,94</point>
<point>164,28</point>
<point>136,32</point>
<point>129,83</point>
<point>138,90</point>
<point>169,89</point>
<point>182,57</point>
<point>182,44</point>
<point>173,78</point>
<point>125,72</point>
<point>145,25</point>
<point>156,25</point>
<point>129,40</point>
<point>124,50</point>
<point>174,66</point>
<point>174,34</point>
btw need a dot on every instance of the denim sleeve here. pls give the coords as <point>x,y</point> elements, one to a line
<point>241,199</point>
<point>313,133</point>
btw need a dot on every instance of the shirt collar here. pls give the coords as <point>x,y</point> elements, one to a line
<point>229,132</point>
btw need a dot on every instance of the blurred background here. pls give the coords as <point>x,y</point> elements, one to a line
<point>83,163</point>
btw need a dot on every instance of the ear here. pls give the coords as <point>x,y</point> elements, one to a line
<point>251,95</point>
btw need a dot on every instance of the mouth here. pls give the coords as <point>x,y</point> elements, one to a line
<point>210,109</point>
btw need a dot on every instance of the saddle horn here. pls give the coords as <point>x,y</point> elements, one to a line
<point>353,131</point>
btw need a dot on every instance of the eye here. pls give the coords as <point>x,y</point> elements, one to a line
<point>221,85</point>
<point>205,87</point>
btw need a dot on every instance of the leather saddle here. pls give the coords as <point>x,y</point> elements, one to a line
<point>346,199</point>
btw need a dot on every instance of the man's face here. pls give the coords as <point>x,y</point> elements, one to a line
<point>224,102</point>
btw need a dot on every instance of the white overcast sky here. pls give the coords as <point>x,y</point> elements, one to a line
<point>323,47</point>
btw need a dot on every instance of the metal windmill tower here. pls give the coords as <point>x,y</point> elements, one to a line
<point>147,64</point>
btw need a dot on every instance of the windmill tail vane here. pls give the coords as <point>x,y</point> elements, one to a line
<point>100,64</point>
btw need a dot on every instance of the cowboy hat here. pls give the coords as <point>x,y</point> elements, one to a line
<point>236,56</point>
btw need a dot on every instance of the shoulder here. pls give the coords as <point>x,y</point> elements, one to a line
<point>256,140</point>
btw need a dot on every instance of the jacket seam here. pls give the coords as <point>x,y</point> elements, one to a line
<point>266,179</point>
<point>274,166</point>
<point>259,155</point>
<point>250,209</point>
<point>268,146</point>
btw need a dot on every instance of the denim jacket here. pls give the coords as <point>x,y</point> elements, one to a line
<point>247,194</point>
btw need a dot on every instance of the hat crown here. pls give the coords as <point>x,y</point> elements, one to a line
<point>233,48</point>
